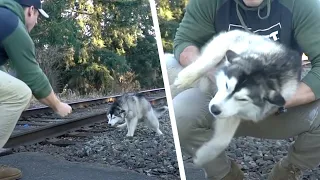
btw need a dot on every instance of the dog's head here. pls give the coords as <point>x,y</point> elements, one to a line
<point>116,114</point>
<point>245,88</point>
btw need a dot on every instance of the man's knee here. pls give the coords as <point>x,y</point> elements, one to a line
<point>173,67</point>
<point>310,115</point>
<point>28,97</point>
<point>305,152</point>
<point>182,121</point>
<point>26,93</point>
<point>314,116</point>
<point>190,109</point>
<point>14,90</point>
<point>21,94</point>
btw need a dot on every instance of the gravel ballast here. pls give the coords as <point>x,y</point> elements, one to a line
<point>256,157</point>
<point>156,156</point>
<point>145,153</point>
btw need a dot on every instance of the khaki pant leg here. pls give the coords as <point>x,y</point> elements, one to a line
<point>194,124</point>
<point>15,96</point>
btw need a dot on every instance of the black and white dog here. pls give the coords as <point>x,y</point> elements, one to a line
<point>131,108</point>
<point>255,76</point>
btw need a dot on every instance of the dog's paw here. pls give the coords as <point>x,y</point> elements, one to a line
<point>200,159</point>
<point>185,79</point>
<point>122,126</point>
<point>129,136</point>
<point>159,133</point>
<point>204,155</point>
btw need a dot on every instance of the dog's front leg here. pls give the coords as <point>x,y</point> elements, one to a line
<point>224,132</point>
<point>121,126</point>
<point>132,124</point>
<point>213,53</point>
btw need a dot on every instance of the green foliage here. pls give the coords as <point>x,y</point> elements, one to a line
<point>100,41</point>
<point>170,14</point>
<point>146,63</point>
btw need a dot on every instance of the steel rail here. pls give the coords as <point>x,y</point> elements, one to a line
<point>57,129</point>
<point>81,104</point>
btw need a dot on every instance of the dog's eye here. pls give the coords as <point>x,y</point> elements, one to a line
<point>226,85</point>
<point>241,99</point>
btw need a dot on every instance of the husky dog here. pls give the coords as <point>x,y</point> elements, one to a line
<point>134,107</point>
<point>255,76</point>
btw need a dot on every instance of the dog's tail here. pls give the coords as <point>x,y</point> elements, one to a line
<point>160,111</point>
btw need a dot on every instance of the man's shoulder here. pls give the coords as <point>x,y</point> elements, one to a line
<point>205,6</point>
<point>298,4</point>
<point>207,3</point>
<point>9,21</point>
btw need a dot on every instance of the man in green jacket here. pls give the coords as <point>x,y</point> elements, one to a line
<point>295,23</point>
<point>17,19</point>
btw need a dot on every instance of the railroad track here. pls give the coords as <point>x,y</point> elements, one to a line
<point>39,124</point>
<point>83,104</point>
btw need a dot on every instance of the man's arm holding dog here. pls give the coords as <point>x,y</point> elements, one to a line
<point>306,24</point>
<point>195,29</point>
<point>303,95</point>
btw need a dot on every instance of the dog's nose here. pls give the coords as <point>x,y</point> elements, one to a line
<point>110,125</point>
<point>215,110</point>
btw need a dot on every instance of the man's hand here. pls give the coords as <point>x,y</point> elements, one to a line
<point>63,109</point>
<point>189,55</point>
<point>56,105</point>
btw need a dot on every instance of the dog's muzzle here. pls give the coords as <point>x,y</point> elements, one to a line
<point>215,110</point>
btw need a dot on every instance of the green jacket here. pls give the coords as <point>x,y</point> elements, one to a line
<point>17,48</point>
<point>295,23</point>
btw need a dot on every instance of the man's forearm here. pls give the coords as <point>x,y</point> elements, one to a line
<point>51,100</point>
<point>189,55</point>
<point>303,95</point>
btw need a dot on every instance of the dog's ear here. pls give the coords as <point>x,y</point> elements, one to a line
<point>231,55</point>
<point>275,98</point>
<point>110,111</point>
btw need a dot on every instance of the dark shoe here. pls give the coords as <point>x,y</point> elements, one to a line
<point>290,172</point>
<point>235,173</point>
